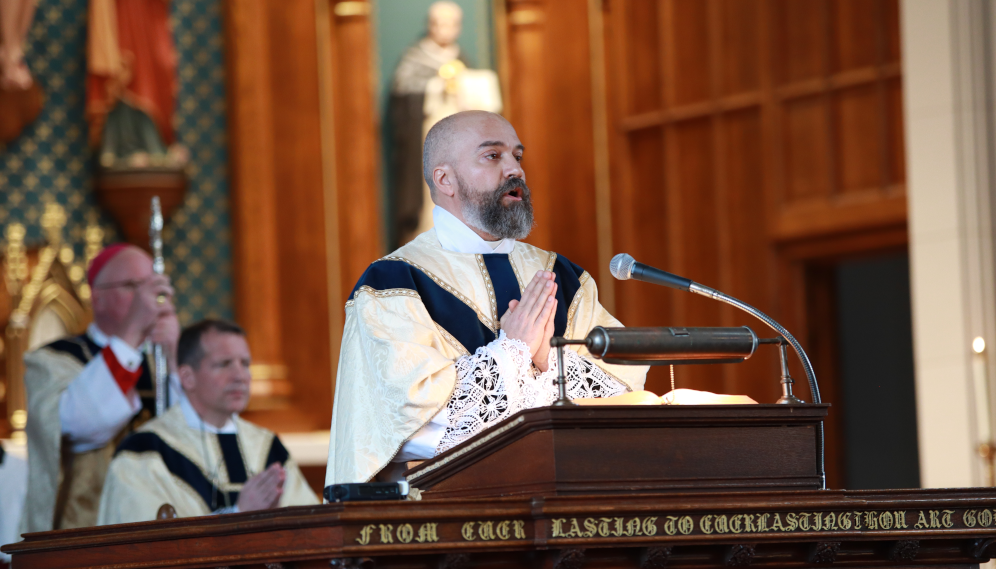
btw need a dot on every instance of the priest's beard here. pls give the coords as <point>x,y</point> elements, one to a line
<point>485,211</point>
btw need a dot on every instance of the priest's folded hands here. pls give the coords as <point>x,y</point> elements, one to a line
<point>530,320</point>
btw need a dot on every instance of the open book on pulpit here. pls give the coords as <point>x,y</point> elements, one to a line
<point>631,449</point>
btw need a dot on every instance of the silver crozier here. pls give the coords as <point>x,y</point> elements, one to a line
<point>161,373</point>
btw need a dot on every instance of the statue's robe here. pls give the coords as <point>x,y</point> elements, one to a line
<point>418,65</point>
<point>63,486</point>
<point>169,462</point>
<point>411,316</point>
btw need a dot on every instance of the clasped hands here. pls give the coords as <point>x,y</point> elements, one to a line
<point>530,320</point>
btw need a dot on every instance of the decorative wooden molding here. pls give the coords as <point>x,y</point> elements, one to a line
<point>824,552</point>
<point>655,557</point>
<point>904,550</point>
<point>739,555</point>
<point>454,561</point>
<point>348,9</point>
<point>418,534</point>
<point>572,558</point>
<point>352,563</point>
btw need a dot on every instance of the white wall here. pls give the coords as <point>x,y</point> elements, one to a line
<point>947,82</point>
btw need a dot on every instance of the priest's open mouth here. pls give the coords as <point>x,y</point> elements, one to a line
<point>515,194</point>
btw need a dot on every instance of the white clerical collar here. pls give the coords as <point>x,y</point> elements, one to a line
<point>97,335</point>
<point>102,339</point>
<point>194,420</point>
<point>455,236</point>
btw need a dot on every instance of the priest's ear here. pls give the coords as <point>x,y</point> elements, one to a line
<point>444,180</point>
<point>188,379</point>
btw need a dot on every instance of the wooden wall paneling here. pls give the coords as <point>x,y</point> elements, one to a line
<point>639,201</point>
<point>355,230</point>
<point>605,247</point>
<point>356,134</point>
<point>570,211</point>
<point>255,254</point>
<point>304,304</point>
<point>551,87</point>
<point>528,109</point>
<point>297,84</point>
<point>330,197</point>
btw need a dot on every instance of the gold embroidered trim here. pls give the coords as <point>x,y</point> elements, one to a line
<point>491,289</point>
<point>518,277</point>
<point>488,322</point>
<point>386,293</point>
<point>451,340</point>
<point>550,262</point>
<point>467,448</point>
<point>572,312</point>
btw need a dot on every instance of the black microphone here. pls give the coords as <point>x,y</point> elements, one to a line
<point>671,346</point>
<point>625,267</point>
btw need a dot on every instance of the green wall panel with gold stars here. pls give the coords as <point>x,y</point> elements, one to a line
<point>51,161</point>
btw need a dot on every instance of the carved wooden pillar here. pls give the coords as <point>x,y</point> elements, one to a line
<point>355,131</point>
<point>548,67</point>
<point>527,104</point>
<point>305,194</point>
<point>256,267</point>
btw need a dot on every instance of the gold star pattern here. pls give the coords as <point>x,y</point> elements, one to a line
<point>51,159</point>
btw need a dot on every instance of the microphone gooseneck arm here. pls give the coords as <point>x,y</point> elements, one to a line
<point>625,267</point>
<point>796,346</point>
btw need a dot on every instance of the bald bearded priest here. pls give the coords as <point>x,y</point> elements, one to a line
<point>450,334</point>
<point>201,457</point>
<point>86,392</point>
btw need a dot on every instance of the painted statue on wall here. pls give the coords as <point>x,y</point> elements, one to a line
<point>15,20</point>
<point>132,84</point>
<point>20,95</point>
<point>432,81</point>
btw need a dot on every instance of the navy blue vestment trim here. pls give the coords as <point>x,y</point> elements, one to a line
<point>233,458</point>
<point>451,313</point>
<point>503,280</point>
<point>184,469</point>
<point>447,310</point>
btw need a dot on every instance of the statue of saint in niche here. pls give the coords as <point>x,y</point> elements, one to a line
<point>15,21</point>
<point>432,81</point>
<point>132,85</point>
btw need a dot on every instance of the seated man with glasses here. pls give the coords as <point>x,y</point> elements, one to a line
<point>85,393</point>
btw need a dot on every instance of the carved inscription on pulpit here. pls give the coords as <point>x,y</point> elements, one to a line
<point>664,526</point>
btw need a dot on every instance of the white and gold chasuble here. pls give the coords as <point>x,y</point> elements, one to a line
<point>422,337</point>
<point>169,462</point>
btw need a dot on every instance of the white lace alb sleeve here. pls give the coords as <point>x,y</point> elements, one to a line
<point>585,380</point>
<point>498,380</point>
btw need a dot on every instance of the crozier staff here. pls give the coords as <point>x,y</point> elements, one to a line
<point>86,392</point>
<point>450,334</point>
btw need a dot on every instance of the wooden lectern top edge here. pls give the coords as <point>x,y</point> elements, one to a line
<point>611,416</point>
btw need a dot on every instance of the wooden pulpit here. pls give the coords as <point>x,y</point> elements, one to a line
<point>581,488</point>
<point>579,450</point>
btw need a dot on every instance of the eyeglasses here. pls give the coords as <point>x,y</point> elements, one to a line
<point>132,284</point>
